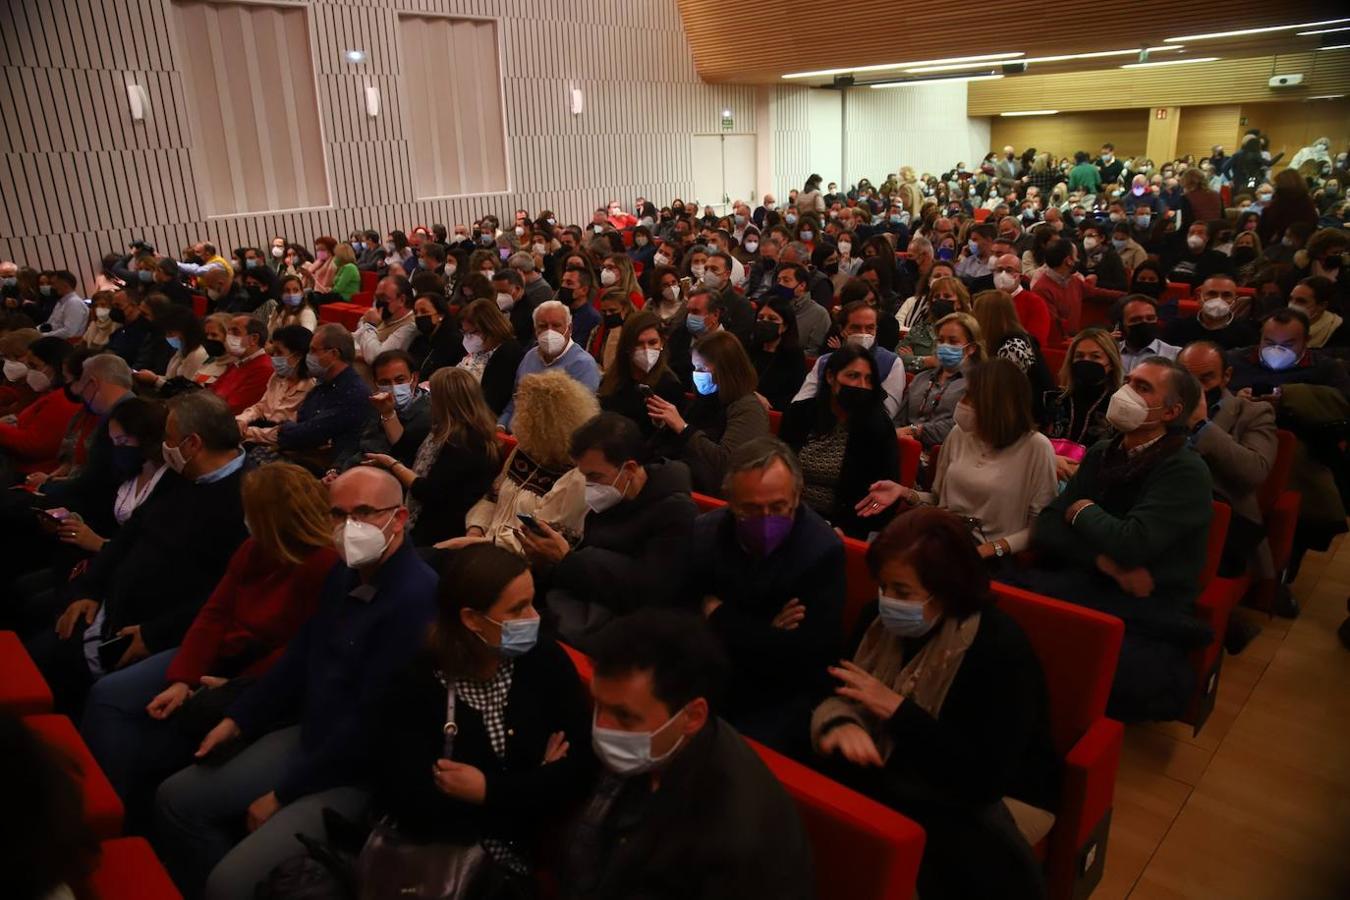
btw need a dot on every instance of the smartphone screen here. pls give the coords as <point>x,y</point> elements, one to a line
<point>56,514</point>
<point>529,522</point>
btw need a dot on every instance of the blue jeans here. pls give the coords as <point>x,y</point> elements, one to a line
<point>135,751</point>
<point>200,819</point>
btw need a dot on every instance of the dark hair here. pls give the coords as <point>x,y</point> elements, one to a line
<point>389,356</point>
<point>424,282</point>
<point>433,249</point>
<point>403,285</point>
<point>52,351</point>
<point>65,275</point>
<point>616,437</point>
<point>50,844</point>
<point>510,276</point>
<point>1148,265</point>
<point>798,271</point>
<point>1057,251</point>
<point>1182,387</point>
<point>836,362</point>
<point>938,545</point>
<point>619,373</point>
<point>791,339</point>
<point>472,578</point>
<point>184,321</point>
<point>1285,316</point>
<point>1323,288</point>
<point>683,658</point>
<point>1001,397</point>
<point>208,416</point>
<point>295,338</point>
<point>144,420</point>
<point>437,301</point>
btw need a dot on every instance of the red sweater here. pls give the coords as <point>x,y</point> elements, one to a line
<point>1066,300</point>
<point>1034,314</point>
<point>257,607</point>
<point>241,386</point>
<point>35,441</point>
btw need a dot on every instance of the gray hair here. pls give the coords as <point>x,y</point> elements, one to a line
<point>333,336</point>
<point>550,306</point>
<point>921,244</point>
<point>208,416</point>
<point>758,454</point>
<point>521,262</point>
<point>800,251</point>
<point>109,368</point>
<point>1182,387</point>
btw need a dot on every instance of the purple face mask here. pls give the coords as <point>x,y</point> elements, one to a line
<point>761,535</point>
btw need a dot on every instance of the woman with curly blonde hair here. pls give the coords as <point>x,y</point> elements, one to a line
<point>538,479</point>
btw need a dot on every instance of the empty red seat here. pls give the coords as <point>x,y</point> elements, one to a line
<point>368,281</point>
<point>22,688</point>
<point>1217,598</point>
<point>345,314</point>
<point>129,870</point>
<point>198,305</point>
<point>1174,290</point>
<point>102,807</point>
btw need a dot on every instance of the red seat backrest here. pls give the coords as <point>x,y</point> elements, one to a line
<point>775,421</point>
<point>638,267</point>
<point>1278,476</point>
<point>1218,533</point>
<point>861,850</point>
<point>1077,649</point>
<point>1054,359</point>
<point>860,588</point>
<point>199,305</point>
<point>1174,290</point>
<point>369,280</point>
<point>706,503</point>
<point>1187,308</point>
<point>363,298</point>
<point>508,443</point>
<point>910,451</point>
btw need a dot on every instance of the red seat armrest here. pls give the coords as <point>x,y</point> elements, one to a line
<point>1089,779</point>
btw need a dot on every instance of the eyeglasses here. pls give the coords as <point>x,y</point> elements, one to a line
<point>360,513</point>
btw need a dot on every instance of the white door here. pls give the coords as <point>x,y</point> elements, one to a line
<point>724,170</point>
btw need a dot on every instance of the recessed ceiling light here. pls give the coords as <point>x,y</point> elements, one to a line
<point>1030,112</point>
<point>1243,31</point>
<point>1170,62</point>
<point>921,81</point>
<point>354,56</point>
<point>1323,31</point>
<point>988,57</point>
<point>1325,97</point>
<point>1100,54</point>
<point>1335,47</point>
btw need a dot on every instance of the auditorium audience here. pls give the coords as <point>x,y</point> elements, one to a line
<point>918,325</point>
<point>101,326</point>
<point>843,436</point>
<point>388,325</point>
<point>775,351</point>
<point>1005,338</point>
<point>858,323</point>
<point>402,411</point>
<point>300,739</point>
<point>520,754</point>
<point>764,571</point>
<point>657,734</point>
<point>1314,297</point>
<point>452,465</point>
<point>243,383</point>
<point>1217,321</point>
<point>724,415</point>
<point>538,479</point>
<point>630,554</point>
<point>1140,327</point>
<point>930,400</point>
<point>943,713</point>
<point>143,722</point>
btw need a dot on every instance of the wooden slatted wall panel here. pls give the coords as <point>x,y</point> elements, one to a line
<point>78,178</point>
<point>1069,132</point>
<point>1226,81</point>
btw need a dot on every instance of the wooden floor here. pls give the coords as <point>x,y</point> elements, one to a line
<point>1258,805</point>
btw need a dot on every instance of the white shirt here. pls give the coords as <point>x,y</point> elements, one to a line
<point>1131,358</point>
<point>369,345</point>
<point>69,317</point>
<point>893,385</point>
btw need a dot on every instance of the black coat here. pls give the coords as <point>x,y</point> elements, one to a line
<point>718,827</point>
<point>499,378</point>
<point>546,696</point>
<point>441,350</point>
<point>629,402</point>
<point>870,455</point>
<point>142,345</point>
<point>457,480</point>
<point>631,555</point>
<point>781,374</point>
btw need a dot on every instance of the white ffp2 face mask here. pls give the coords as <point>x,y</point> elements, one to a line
<point>360,543</point>
<point>1127,411</point>
<point>551,343</point>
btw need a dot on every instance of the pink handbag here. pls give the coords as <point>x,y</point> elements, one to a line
<point>1070,450</point>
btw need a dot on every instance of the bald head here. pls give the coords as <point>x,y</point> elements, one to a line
<point>1206,361</point>
<point>1008,262</point>
<point>8,269</point>
<point>366,486</point>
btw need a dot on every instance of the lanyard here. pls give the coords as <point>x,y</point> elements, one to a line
<point>923,406</point>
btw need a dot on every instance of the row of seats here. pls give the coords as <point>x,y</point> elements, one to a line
<point>128,868</point>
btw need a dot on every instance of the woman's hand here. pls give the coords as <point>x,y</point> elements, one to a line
<point>81,535</point>
<point>262,809</point>
<point>853,743</point>
<point>225,731</point>
<point>557,748</point>
<point>663,412</point>
<point>145,376</point>
<point>882,495</point>
<point>166,703</point>
<point>460,542</point>
<point>860,687</point>
<point>832,342</point>
<point>80,609</point>
<point>136,650</point>
<point>380,460</point>
<point>1065,468</point>
<point>460,781</point>
<point>548,547</point>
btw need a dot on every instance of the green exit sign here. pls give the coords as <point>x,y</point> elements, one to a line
<point>727,123</point>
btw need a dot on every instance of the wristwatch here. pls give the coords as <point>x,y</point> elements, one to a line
<point>998,549</point>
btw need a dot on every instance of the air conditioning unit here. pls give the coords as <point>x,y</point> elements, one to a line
<point>1284,81</point>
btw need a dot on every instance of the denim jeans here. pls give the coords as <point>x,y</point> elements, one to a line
<point>135,751</point>
<point>200,819</point>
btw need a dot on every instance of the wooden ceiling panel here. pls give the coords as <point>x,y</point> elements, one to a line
<point>736,41</point>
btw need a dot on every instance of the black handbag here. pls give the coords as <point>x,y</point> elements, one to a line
<point>206,707</point>
<point>391,867</point>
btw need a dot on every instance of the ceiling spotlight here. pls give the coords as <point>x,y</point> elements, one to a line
<point>354,56</point>
<point>1030,112</point>
<point>1169,62</point>
<point>987,57</point>
<point>1245,31</point>
<point>923,81</point>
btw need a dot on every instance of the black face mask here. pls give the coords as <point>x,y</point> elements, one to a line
<point>117,316</point>
<point>613,320</point>
<point>763,333</point>
<point>194,259</point>
<point>213,347</point>
<point>127,461</point>
<point>941,308</point>
<point>1141,334</point>
<point>1331,263</point>
<point>1243,255</point>
<point>1213,396</point>
<point>384,311</point>
<point>1087,374</point>
<point>1147,288</point>
<point>424,324</point>
<point>854,399</point>
<point>72,395</point>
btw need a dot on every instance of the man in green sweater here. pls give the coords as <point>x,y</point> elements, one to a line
<point>1084,176</point>
<point>1128,536</point>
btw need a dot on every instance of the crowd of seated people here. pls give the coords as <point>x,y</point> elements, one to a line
<point>264,556</point>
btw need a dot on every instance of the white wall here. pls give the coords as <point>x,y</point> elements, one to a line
<point>925,127</point>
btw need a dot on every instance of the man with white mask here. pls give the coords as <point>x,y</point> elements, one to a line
<point>631,554</point>
<point>1130,533</point>
<point>685,807</point>
<point>555,349</point>
<point>372,616</point>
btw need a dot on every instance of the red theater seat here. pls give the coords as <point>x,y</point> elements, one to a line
<point>346,314</point>
<point>910,453</point>
<point>102,808</point>
<point>1217,598</point>
<point>775,421</point>
<point>1174,290</point>
<point>199,305</point>
<point>369,280</point>
<point>363,298</point>
<point>129,870</point>
<point>1054,359</point>
<point>23,691</point>
<point>1280,508</point>
<point>1078,649</point>
<point>706,503</point>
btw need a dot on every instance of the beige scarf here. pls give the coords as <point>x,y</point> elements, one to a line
<point>924,680</point>
<point>1322,328</point>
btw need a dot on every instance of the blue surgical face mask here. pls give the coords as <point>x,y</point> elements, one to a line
<point>695,323</point>
<point>252,263</point>
<point>9,281</point>
<point>973,247</point>
<point>145,275</point>
<point>949,356</point>
<point>314,365</point>
<point>282,366</point>
<point>1119,243</point>
<point>175,343</point>
<point>518,636</point>
<point>292,300</point>
<point>1278,358</point>
<point>903,618</point>
<point>704,383</point>
<point>403,394</point>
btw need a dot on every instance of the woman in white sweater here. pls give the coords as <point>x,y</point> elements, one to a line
<point>995,468</point>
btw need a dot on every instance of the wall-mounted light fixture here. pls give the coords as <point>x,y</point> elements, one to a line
<point>354,56</point>
<point>139,100</point>
<point>577,101</point>
<point>372,100</point>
